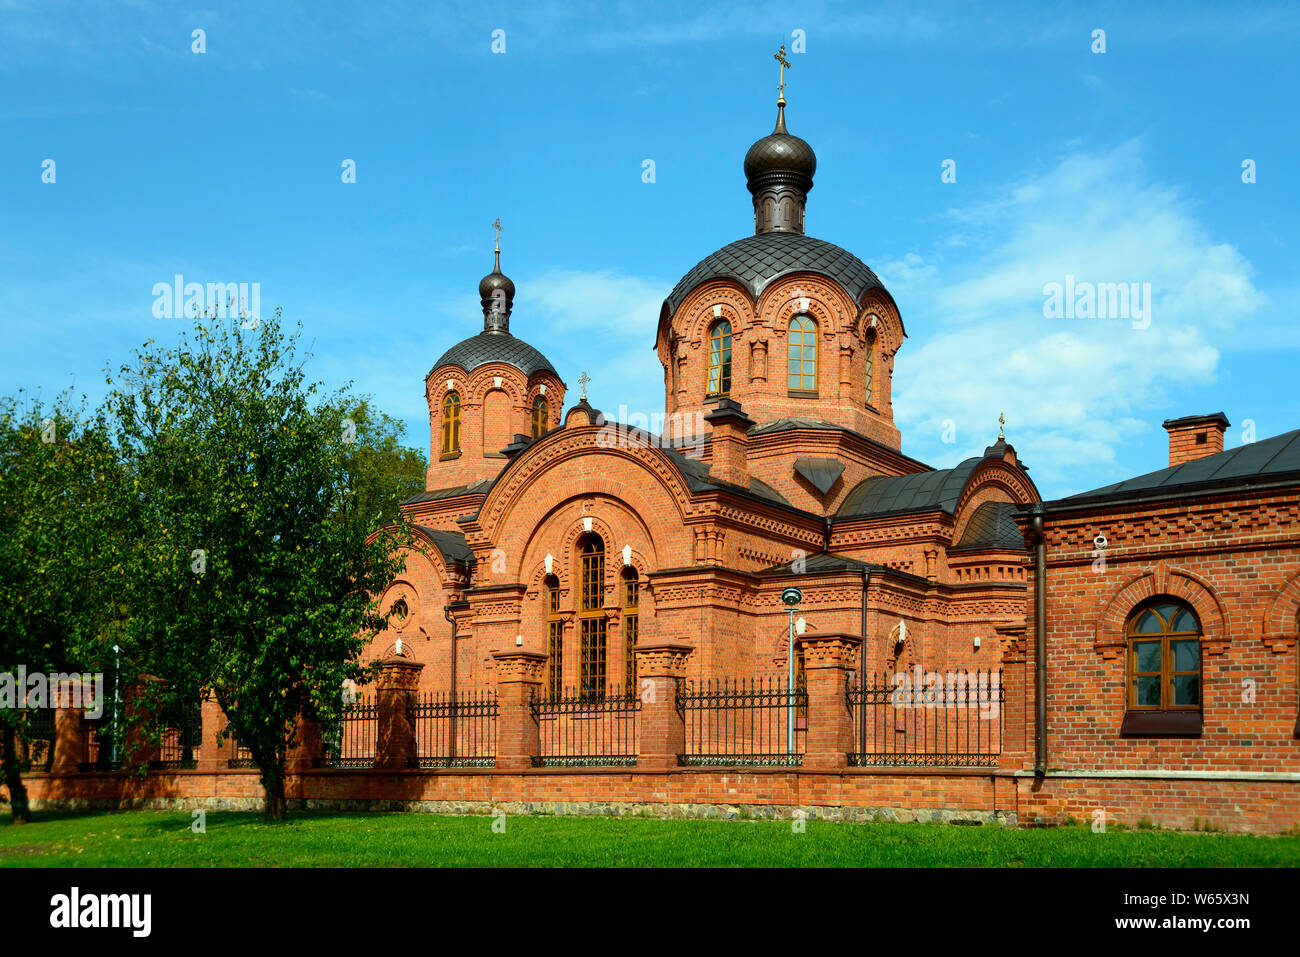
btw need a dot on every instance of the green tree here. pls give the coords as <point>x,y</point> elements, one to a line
<point>251,574</point>
<point>383,471</point>
<point>57,468</point>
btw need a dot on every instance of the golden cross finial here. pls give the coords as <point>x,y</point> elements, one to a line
<point>496,224</point>
<point>1002,420</point>
<point>582,381</point>
<point>779,56</point>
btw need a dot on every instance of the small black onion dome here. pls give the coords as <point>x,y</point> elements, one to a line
<point>780,153</point>
<point>493,281</point>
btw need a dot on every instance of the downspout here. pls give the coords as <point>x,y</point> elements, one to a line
<point>446,613</point>
<point>1040,642</point>
<point>862,649</point>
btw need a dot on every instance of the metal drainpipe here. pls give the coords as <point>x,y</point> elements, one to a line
<point>446,613</point>
<point>862,648</point>
<point>1040,642</point>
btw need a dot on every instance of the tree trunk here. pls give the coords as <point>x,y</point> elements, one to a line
<point>273,785</point>
<point>13,779</point>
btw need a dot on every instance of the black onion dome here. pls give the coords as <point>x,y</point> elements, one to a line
<point>780,155</point>
<point>493,281</point>
<point>487,347</point>
<point>757,260</point>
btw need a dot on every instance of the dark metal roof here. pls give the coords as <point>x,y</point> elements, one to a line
<point>919,491</point>
<point>756,260</point>
<point>1273,459</point>
<point>698,479</point>
<point>452,545</point>
<point>791,422</point>
<point>480,487</point>
<point>487,347</point>
<point>1213,417</point>
<point>821,473</point>
<point>992,526</point>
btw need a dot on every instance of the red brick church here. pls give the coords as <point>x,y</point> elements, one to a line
<point>1146,632</point>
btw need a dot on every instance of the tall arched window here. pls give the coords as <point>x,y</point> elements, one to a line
<point>591,618</point>
<point>539,417</point>
<point>1164,657</point>
<point>802,365</point>
<point>631,627</point>
<point>451,423</point>
<point>720,358</point>
<point>554,640</point>
<point>869,366</point>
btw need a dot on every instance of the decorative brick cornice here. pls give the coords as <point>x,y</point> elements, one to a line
<point>662,659</point>
<point>399,674</point>
<point>829,650</point>
<point>520,666</point>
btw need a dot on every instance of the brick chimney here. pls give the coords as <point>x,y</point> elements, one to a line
<point>730,443</point>
<point>1195,436</point>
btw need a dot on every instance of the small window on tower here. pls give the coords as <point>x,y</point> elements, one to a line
<point>720,358</point>
<point>539,417</point>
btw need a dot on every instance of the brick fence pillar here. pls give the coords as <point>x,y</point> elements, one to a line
<point>1017,710</point>
<point>395,743</point>
<point>308,750</point>
<point>70,732</point>
<point>660,670</point>
<point>519,675</point>
<point>213,755</point>
<point>827,659</point>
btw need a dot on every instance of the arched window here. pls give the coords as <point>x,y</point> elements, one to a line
<point>554,640</point>
<point>591,618</point>
<point>869,366</point>
<point>1164,657</point>
<point>451,423</point>
<point>631,627</point>
<point>720,358</point>
<point>802,365</point>
<point>539,417</point>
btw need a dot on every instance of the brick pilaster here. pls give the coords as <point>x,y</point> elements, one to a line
<point>827,659</point>
<point>70,731</point>
<point>213,755</point>
<point>395,744</point>
<point>660,670</point>
<point>519,676</point>
<point>307,750</point>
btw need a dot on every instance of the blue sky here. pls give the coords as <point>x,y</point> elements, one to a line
<point>1123,166</point>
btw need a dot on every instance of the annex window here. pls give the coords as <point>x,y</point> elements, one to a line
<point>1163,672</point>
<point>801,371</point>
<point>591,618</point>
<point>554,640</point>
<point>631,627</point>
<point>539,417</point>
<point>720,358</point>
<point>451,424</point>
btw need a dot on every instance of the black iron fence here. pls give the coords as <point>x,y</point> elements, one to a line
<point>755,721</point>
<point>578,729</point>
<point>454,731</point>
<point>241,757</point>
<point>40,738</point>
<point>926,719</point>
<point>100,753</point>
<point>180,728</point>
<point>358,733</point>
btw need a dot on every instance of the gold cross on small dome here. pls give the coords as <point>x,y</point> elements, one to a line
<point>582,381</point>
<point>1002,420</point>
<point>779,56</point>
<point>496,224</point>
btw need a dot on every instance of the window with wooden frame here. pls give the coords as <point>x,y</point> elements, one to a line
<point>451,423</point>
<point>554,640</point>
<point>720,359</point>
<point>591,618</point>
<point>539,417</point>
<point>631,627</point>
<point>1163,670</point>
<point>801,368</point>
<point>869,366</point>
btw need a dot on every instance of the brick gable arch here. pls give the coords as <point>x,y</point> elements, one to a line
<point>585,457</point>
<point>1162,581</point>
<point>992,481</point>
<point>1280,624</point>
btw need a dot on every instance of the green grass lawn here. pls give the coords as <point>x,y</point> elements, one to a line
<point>164,839</point>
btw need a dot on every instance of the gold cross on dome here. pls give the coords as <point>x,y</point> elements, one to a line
<point>1002,420</point>
<point>779,56</point>
<point>582,381</point>
<point>496,224</point>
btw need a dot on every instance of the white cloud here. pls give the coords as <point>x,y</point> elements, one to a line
<point>1073,389</point>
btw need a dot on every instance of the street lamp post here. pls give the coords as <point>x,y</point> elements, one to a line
<point>791,597</point>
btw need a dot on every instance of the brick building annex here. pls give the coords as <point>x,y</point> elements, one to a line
<point>600,607</point>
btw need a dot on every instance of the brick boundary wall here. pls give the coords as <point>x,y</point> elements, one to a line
<point>964,796</point>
